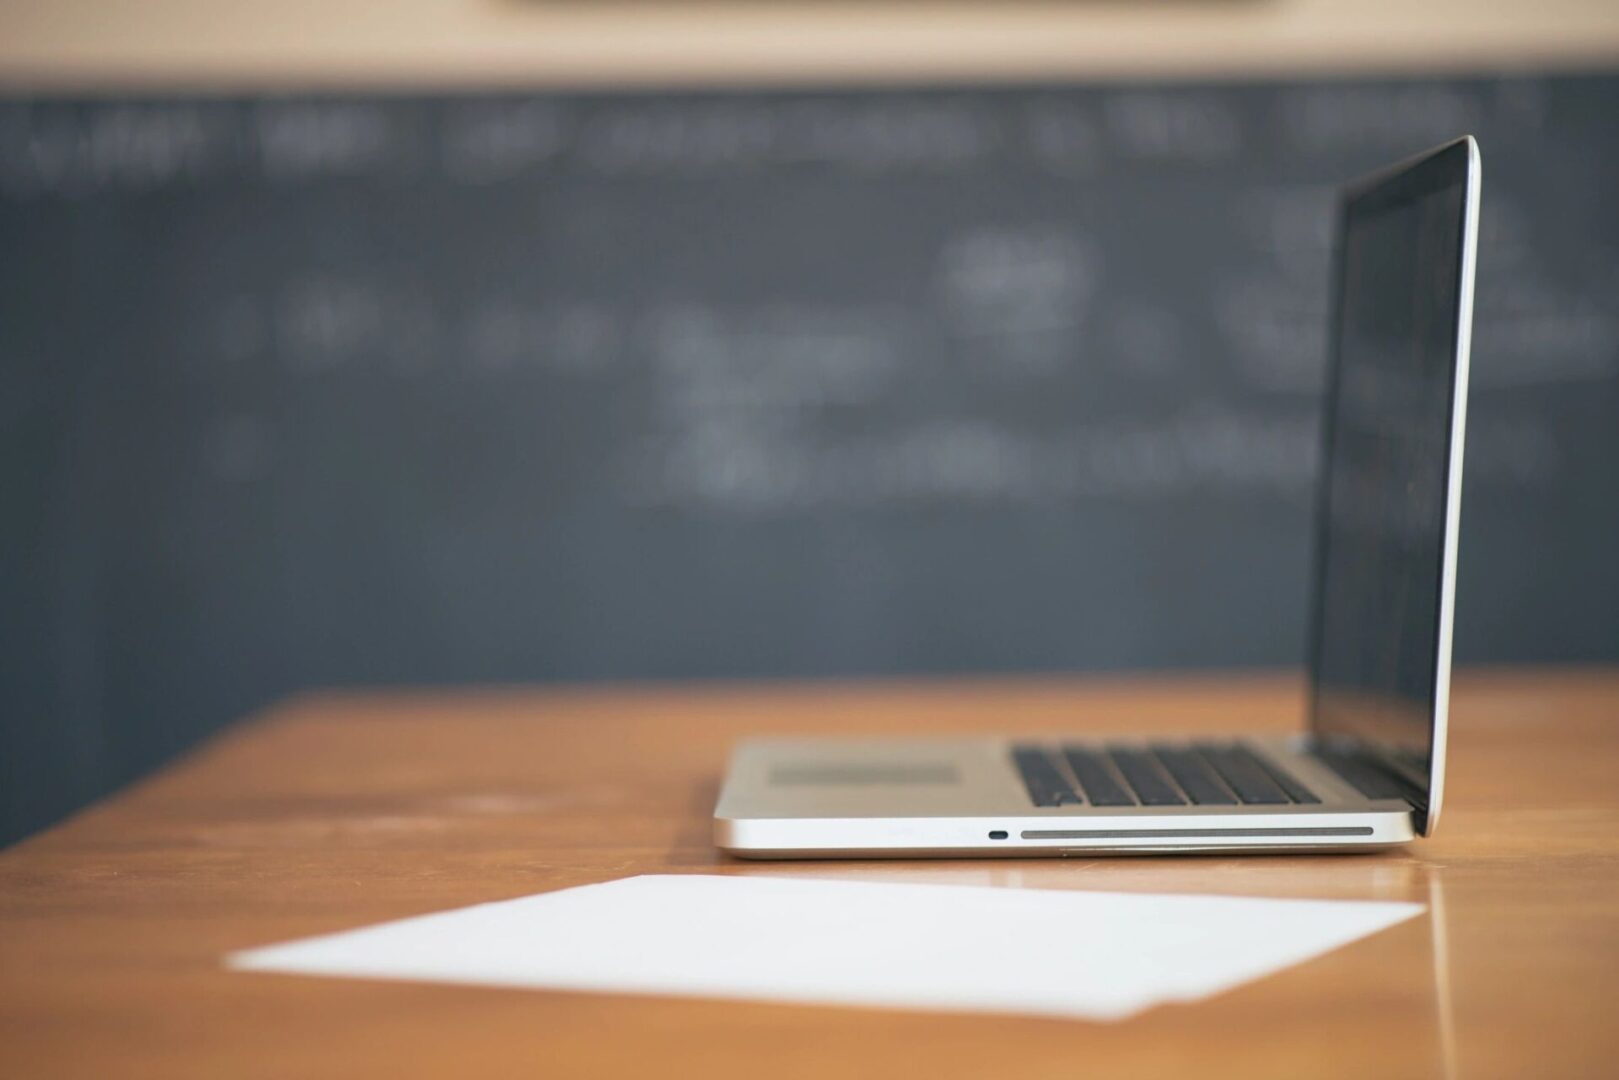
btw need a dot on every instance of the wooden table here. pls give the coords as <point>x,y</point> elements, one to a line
<point>335,811</point>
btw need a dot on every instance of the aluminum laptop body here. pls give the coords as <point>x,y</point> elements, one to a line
<point>1369,770</point>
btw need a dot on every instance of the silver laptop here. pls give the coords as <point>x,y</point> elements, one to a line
<point>1369,771</point>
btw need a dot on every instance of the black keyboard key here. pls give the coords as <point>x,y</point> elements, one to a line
<point>1363,775</point>
<point>1286,781</point>
<point>1243,775</point>
<point>1095,777</point>
<point>1200,782</point>
<point>1142,773</point>
<point>1047,786</point>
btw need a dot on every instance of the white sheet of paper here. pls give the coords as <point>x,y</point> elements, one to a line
<point>1092,955</point>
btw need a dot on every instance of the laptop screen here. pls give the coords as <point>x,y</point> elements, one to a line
<point>1385,544</point>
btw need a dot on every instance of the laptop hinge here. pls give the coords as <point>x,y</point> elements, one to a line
<point>1409,778</point>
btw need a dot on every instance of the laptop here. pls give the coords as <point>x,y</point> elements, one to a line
<point>1369,770</point>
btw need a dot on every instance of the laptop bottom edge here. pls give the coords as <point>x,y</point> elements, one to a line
<point>974,837</point>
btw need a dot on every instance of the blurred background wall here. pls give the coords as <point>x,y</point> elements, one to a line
<point>486,341</point>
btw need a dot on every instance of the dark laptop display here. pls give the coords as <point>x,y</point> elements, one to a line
<point>1382,572</point>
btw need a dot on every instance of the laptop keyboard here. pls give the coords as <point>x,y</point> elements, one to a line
<point>1160,774</point>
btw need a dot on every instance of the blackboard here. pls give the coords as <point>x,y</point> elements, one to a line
<point>310,390</point>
